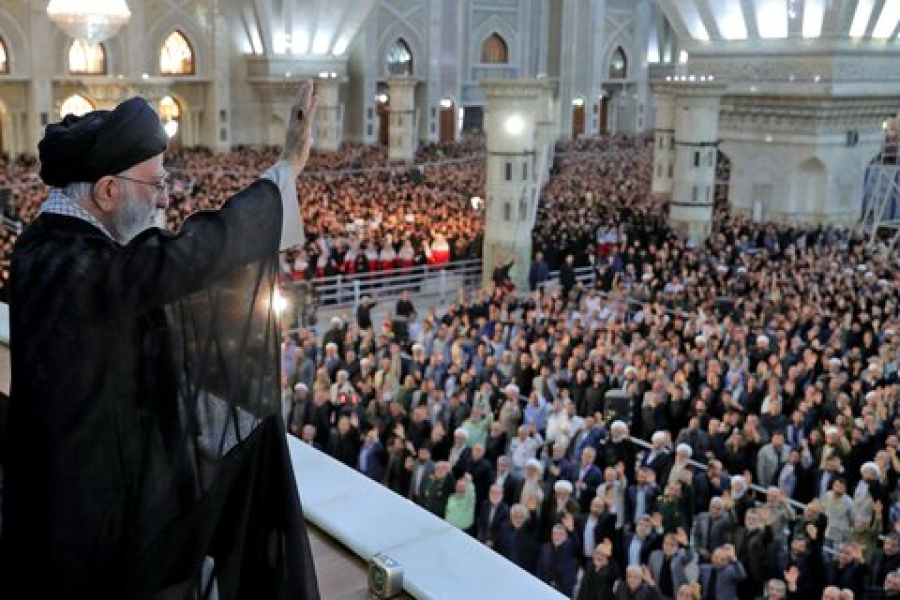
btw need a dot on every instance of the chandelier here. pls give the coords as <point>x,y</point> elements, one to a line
<point>92,21</point>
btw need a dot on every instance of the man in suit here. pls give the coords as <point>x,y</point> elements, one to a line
<point>372,457</point>
<point>636,547</point>
<point>492,514</point>
<point>556,564</point>
<point>482,473</point>
<point>712,529</point>
<point>670,565</point>
<point>720,578</point>
<point>507,480</point>
<point>585,477</point>
<point>771,458</point>
<point>640,497</point>
<point>592,528</point>
<point>422,471</point>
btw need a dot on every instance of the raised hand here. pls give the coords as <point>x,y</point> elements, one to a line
<point>298,137</point>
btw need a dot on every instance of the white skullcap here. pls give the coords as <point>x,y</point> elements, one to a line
<point>301,386</point>
<point>684,449</point>
<point>331,345</point>
<point>630,369</point>
<point>870,466</point>
<point>562,485</point>
<point>831,429</point>
<point>834,360</point>
<point>533,462</point>
<point>848,271</point>
<point>888,332</point>
<point>417,347</point>
<point>883,282</point>
<point>658,436</point>
<point>618,425</point>
<point>511,388</point>
<point>700,339</point>
<point>862,267</point>
<point>462,432</point>
<point>722,268</point>
<point>336,320</point>
<point>742,270</point>
<point>762,338</point>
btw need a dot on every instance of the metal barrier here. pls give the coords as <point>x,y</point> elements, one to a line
<point>428,285</point>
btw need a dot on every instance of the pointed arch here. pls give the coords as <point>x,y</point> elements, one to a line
<point>399,31</point>
<point>494,50</point>
<point>87,59</point>
<point>176,55</point>
<point>493,25</point>
<point>76,104</point>
<point>4,57</point>
<point>617,67</point>
<point>399,58</point>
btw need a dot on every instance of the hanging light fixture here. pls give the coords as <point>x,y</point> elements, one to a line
<point>92,21</point>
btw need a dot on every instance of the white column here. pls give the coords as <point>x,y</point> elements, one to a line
<point>404,133</point>
<point>329,114</point>
<point>696,145</point>
<point>663,146</point>
<point>218,99</point>
<point>509,123</point>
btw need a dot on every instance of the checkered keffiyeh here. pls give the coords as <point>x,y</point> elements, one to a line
<point>60,204</point>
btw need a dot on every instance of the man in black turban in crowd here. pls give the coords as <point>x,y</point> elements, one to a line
<point>145,457</point>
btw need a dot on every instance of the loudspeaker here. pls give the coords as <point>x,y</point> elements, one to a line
<point>385,577</point>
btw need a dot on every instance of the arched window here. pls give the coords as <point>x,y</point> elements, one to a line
<point>176,57</point>
<point>618,64</point>
<point>76,104</point>
<point>399,59</point>
<point>169,109</point>
<point>87,59</point>
<point>4,60</point>
<point>494,50</point>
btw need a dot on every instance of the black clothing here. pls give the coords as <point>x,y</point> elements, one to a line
<point>122,468</point>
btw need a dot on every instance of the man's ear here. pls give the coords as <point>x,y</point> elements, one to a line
<point>105,193</point>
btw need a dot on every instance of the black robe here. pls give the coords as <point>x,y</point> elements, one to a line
<point>144,409</point>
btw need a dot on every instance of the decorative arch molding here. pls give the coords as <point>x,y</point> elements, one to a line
<point>194,35</point>
<point>491,25</point>
<point>18,46</point>
<point>413,42</point>
<point>619,41</point>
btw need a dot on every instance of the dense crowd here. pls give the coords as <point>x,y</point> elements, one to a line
<point>760,368</point>
<point>711,422</point>
<point>359,215</point>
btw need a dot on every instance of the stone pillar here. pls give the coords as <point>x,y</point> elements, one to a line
<point>509,123</point>
<point>696,146</point>
<point>404,126</point>
<point>218,96</point>
<point>329,114</point>
<point>663,145</point>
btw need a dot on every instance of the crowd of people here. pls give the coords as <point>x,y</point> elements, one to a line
<point>709,422</point>
<point>714,421</point>
<point>360,215</point>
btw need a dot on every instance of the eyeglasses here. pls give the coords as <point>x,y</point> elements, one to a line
<point>162,186</point>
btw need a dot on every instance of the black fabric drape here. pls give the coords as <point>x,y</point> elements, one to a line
<point>144,438</point>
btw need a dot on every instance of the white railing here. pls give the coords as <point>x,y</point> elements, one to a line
<point>428,285</point>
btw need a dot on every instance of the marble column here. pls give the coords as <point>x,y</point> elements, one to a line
<point>510,129</point>
<point>696,147</point>
<point>329,114</point>
<point>404,127</point>
<point>663,146</point>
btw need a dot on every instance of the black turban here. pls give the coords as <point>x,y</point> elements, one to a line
<point>100,143</point>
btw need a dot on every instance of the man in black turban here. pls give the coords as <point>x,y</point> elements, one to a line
<point>145,454</point>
